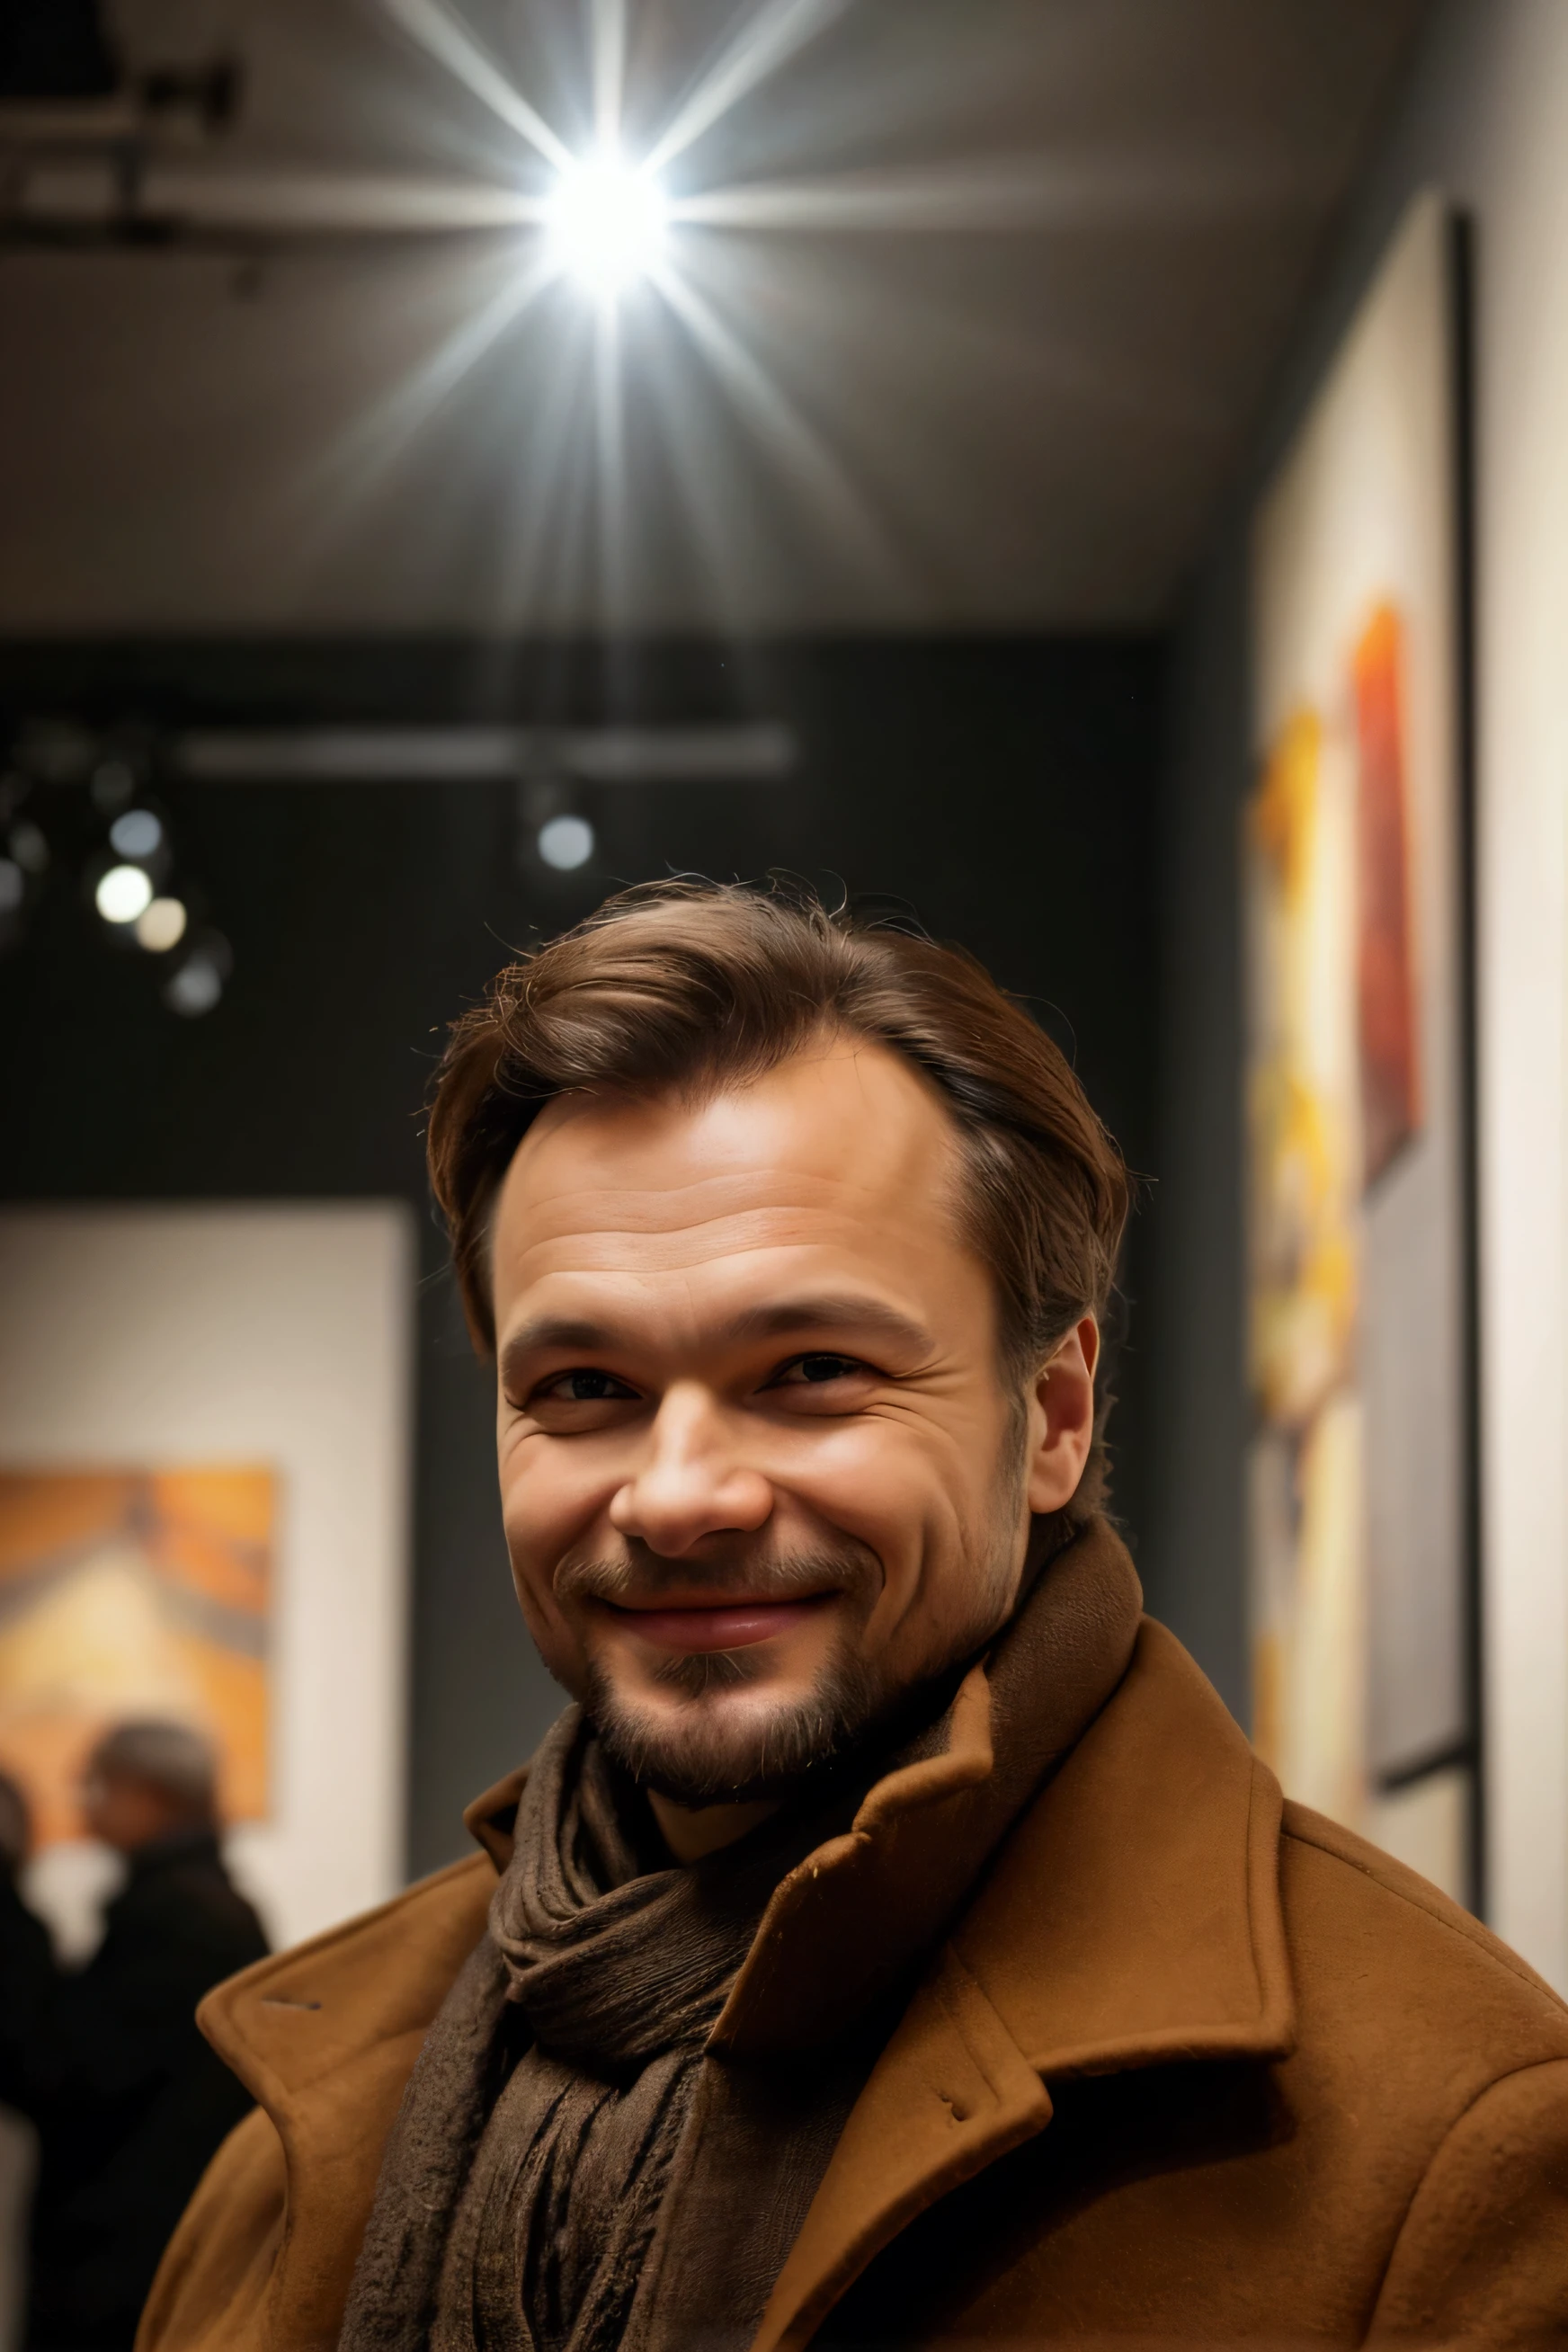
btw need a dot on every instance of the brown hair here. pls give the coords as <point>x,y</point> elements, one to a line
<point>698,984</point>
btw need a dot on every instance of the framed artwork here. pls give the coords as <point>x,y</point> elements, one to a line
<point>205,1470</point>
<point>1362,1474</point>
<point>128,1593</point>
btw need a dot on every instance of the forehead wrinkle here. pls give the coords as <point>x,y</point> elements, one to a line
<point>794,1210</point>
<point>629,1253</point>
<point>668,1205</point>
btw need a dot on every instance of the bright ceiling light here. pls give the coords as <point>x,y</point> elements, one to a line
<point>161,926</point>
<point>606,220</point>
<point>566,843</point>
<point>136,832</point>
<point>123,893</point>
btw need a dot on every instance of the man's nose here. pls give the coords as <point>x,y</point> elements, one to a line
<point>691,1481</point>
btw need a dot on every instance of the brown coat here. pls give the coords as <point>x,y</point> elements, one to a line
<point>1187,2071</point>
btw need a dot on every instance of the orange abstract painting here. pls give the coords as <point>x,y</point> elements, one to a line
<point>132,1593</point>
<point>1386,988</point>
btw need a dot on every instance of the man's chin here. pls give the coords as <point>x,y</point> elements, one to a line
<point>732,1746</point>
<point>729,1745</point>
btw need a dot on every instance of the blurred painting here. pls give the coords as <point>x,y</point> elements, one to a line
<point>1357,1119</point>
<point>1387,997</point>
<point>133,1592</point>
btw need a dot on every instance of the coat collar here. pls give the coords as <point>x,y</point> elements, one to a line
<point>325,2038</point>
<point>863,1907</point>
<point>1132,1919</point>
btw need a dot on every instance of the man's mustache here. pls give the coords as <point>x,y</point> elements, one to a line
<point>759,1575</point>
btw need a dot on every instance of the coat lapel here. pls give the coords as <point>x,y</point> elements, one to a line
<point>324,2037</point>
<point>1131,1919</point>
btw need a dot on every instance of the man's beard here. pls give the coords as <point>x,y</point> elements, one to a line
<point>708,1753</point>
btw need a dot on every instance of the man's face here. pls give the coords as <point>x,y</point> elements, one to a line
<point>761,1473</point>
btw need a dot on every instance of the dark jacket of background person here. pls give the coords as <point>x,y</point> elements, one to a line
<point>129,2101</point>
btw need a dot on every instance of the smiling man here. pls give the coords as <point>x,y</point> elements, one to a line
<point>763,1482</point>
<point>895,1942</point>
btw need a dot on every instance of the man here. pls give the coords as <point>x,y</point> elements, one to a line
<point>896,1943</point>
<point>129,2100</point>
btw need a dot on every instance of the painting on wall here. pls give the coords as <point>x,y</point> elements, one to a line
<point>1361,1456</point>
<point>132,1593</point>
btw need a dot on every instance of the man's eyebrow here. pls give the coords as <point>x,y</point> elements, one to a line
<point>830,1309</point>
<point>777,1319</point>
<point>548,1332</point>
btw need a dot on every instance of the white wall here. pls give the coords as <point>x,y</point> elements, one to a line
<point>1513,167</point>
<point>1485,118</point>
<point>283,1334</point>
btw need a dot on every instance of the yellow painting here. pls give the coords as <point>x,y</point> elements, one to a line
<point>1308,1645</point>
<point>133,1593</point>
<point>1306,1155</point>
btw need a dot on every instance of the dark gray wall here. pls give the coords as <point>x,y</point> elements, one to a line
<point>1193,1559</point>
<point>1004,789</point>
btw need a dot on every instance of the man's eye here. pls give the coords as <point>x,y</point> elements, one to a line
<point>811,1370</point>
<point>587,1388</point>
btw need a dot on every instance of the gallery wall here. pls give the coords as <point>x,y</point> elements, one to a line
<point>1004,788</point>
<point>1485,120</point>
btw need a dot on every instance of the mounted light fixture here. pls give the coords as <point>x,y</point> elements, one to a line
<point>566,842</point>
<point>122,893</point>
<point>606,219</point>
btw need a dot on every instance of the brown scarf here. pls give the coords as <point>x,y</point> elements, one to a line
<point>629,2098</point>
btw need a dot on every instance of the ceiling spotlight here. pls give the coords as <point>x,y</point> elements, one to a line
<point>161,926</point>
<point>606,219</point>
<point>123,893</point>
<point>136,833</point>
<point>566,843</point>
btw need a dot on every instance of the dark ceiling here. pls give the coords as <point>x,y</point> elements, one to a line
<point>1025,269</point>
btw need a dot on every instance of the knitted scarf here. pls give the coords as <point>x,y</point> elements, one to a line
<point>631,2093</point>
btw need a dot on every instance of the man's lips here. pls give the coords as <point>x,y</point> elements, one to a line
<point>729,1624</point>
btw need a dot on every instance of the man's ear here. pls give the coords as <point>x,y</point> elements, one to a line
<point>1061,1419</point>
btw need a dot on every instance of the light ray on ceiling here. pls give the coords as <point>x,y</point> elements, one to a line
<point>999,193</point>
<point>379,437</point>
<point>451,44</point>
<point>764,41</point>
<point>608,49</point>
<point>610,472</point>
<point>779,425</point>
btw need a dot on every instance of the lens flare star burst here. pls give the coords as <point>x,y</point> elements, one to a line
<point>606,221</point>
<point>636,264</point>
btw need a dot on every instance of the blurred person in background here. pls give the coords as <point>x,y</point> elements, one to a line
<point>129,2101</point>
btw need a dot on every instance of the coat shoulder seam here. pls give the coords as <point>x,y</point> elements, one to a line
<point>1475,1935</point>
